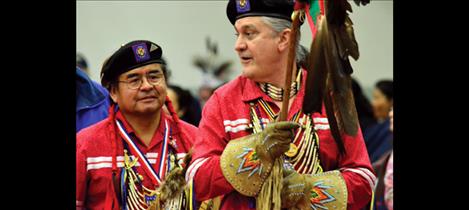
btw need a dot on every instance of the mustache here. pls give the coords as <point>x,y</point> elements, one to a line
<point>148,95</point>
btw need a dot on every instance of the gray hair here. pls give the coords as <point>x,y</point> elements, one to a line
<point>278,25</point>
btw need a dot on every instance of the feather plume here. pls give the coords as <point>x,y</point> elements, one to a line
<point>173,185</point>
<point>340,44</point>
<point>316,77</point>
<point>334,43</point>
<point>175,181</point>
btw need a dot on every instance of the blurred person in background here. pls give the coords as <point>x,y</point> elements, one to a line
<point>389,174</point>
<point>82,63</point>
<point>185,105</point>
<point>215,71</point>
<point>365,112</point>
<point>92,101</point>
<point>382,99</point>
<point>379,137</point>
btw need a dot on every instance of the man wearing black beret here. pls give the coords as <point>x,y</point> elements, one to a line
<point>240,139</point>
<point>124,161</point>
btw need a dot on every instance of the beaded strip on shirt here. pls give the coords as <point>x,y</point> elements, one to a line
<point>306,158</point>
<point>276,93</point>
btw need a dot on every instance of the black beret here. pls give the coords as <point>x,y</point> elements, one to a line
<point>237,9</point>
<point>129,56</point>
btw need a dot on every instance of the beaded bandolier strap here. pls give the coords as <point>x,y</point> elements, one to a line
<point>136,196</point>
<point>133,193</point>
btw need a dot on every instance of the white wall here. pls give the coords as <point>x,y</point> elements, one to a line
<point>180,28</point>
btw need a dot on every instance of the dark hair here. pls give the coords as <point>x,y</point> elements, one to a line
<point>364,108</point>
<point>81,61</point>
<point>385,86</point>
<point>188,103</point>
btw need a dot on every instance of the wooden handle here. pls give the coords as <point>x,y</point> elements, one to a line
<point>291,58</point>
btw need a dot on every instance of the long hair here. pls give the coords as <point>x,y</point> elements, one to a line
<point>176,119</point>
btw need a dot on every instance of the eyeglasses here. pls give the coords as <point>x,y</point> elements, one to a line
<point>153,78</point>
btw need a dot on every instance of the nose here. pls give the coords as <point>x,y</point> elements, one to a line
<point>240,45</point>
<point>145,84</point>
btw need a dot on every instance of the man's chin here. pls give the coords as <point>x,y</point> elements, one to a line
<point>149,110</point>
<point>248,72</point>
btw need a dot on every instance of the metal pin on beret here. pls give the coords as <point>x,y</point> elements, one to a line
<point>237,9</point>
<point>130,56</point>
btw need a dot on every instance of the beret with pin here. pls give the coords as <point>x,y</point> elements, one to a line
<point>130,56</point>
<point>237,9</point>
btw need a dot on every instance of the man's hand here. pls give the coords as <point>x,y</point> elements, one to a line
<point>326,190</point>
<point>275,139</point>
<point>295,191</point>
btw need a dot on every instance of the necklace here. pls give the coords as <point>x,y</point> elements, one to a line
<point>276,93</point>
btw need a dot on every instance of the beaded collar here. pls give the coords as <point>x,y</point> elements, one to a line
<point>276,93</point>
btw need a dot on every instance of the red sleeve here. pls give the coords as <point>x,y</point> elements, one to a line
<point>357,171</point>
<point>80,174</point>
<point>205,169</point>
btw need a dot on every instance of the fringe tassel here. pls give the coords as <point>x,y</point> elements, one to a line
<point>372,203</point>
<point>269,196</point>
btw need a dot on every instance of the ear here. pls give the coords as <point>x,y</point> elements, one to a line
<point>284,40</point>
<point>113,93</point>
